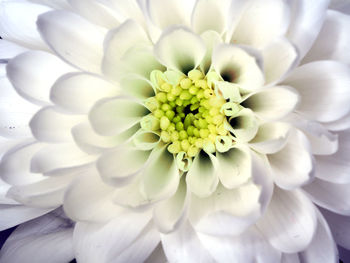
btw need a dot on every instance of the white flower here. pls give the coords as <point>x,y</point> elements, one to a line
<point>179,131</point>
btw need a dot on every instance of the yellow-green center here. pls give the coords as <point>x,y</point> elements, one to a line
<point>187,114</point>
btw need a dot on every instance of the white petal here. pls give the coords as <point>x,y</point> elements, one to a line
<point>293,166</point>
<point>56,156</point>
<point>52,125</point>
<point>113,116</point>
<point>340,226</point>
<point>271,137</point>
<point>290,258</point>
<point>184,246</point>
<point>137,87</point>
<point>104,242</point>
<point>168,215</point>
<point>164,14</point>
<point>160,178</point>
<point>46,239</point>
<point>234,167</point>
<point>237,66</point>
<point>79,92</point>
<point>251,246</point>
<point>335,28</point>
<point>280,56</point>
<point>83,45</point>
<point>322,86</point>
<point>15,164</point>
<point>289,222</point>
<point>120,166</point>
<point>97,12</point>
<point>118,42</point>
<point>335,168</point>
<point>226,212</point>
<point>244,125</point>
<point>14,121</point>
<point>18,23</point>
<point>322,249</point>
<point>12,215</point>
<point>33,73</point>
<point>331,196</point>
<point>89,199</point>
<point>57,4</point>
<point>202,178</point>
<point>127,10</point>
<point>91,142</point>
<point>181,55</point>
<point>210,15</point>
<point>9,49</point>
<point>271,19</point>
<point>339,125</point>
<point>272,103</point>
<point>307,17</point>
<point>211,39</point>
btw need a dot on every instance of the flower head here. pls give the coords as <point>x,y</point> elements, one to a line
<point>186,131</point>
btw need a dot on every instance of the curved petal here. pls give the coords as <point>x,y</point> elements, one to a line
<point>79,92</point>
<point>202,178</point>
<point>97,12</point>
<point>293,166</point>
<point>339,125</point>
<point>280,57</point>
<point>176,250</point>
<point>56,156</point>
<point>211,39</point>
<point>181,55</point>
<point>168,215</point>
<point>234,167</point>
<point>51,125</point>
<point>113,116</point>
<point>307,17</point>
<point>57,4</point>
<point>88,199</point>
<point>237,66</point>
<point>137,87</point>
<point>250,246</point>
<point>210,15</point>
<point>18,23</point>
<point>172,12</point>
<point>33,73</point>
<point>271,19</point>
<point>272,103</point>
<point>160,178</point>
<point>271,137</point>
<point>243,125</point>
<point>335,168</point>
<point>335,27</point>
<point>331,196</point>
<point>105,242</point>
<point>322,248</point>
<point>120,166</point>
<point>83,45</point>
<point>294,227</point>
<point>46,239</point>
<point>9,49</point>
<point>340,226</point>
<point>328,79</point>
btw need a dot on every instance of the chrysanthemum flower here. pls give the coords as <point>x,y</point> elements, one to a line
<point>178,131</point>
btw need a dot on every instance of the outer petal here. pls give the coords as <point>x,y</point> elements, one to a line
<point>330,81</point>
<point>58,4</point>
<point>105,242</point>
<point>83,46</point>
<point>306,21</point>
<point>250,246</point>
<point>33,73</point>
<point>9,50</point>
<point>181,55</point>
<point>294,227</point>
<point>271,19</point>
<point>46,239</point>
<point>184,246</point>
<point>331,196</point>
<point>335,28</point>
<point>322,249</point>
<point>17,23</point>
<point>79,92</point>
<point>293,165</point>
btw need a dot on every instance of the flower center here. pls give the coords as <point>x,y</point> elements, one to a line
<point>187,113</point>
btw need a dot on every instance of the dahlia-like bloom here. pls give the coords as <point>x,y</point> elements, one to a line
<point>174,131</point>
